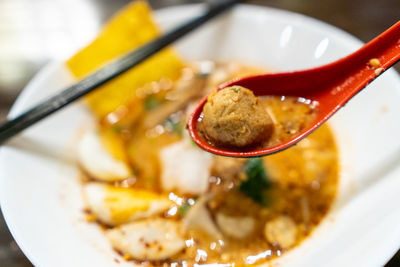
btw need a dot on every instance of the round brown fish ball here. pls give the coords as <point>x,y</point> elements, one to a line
<point>233,116</point>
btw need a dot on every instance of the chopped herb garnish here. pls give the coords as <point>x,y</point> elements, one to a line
<point>257,181</point>
<point>235,89</point>
<point>116,128</point>
<point>193,143</point>
<point>185,207</point>
<point>151,102</point>
<point>174,126</point>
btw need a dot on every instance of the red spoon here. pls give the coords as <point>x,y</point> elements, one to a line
<point>331,85</point>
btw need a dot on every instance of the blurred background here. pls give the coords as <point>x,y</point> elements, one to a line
<point>34,32</point>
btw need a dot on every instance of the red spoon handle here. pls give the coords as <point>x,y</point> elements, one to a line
<point>362,67</point>
<point>355,67</point>
<point>385,48</point>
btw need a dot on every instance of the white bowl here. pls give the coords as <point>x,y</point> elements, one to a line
<point>40,193</point>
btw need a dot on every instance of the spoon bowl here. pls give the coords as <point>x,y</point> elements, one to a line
<point>331,86</point>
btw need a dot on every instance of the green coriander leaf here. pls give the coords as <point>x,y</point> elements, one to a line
<point>257,181</point>
<point>151,102</point>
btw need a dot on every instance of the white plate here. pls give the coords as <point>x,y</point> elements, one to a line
<point>39,189</point>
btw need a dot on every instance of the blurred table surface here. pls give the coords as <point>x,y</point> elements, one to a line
<point>34,32</point>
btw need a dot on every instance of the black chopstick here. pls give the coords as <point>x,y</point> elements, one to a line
<point>52,104</point>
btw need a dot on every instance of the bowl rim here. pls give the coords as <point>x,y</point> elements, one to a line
<point>310,23</point>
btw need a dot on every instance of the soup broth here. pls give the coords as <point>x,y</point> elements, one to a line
<point>223,210</point>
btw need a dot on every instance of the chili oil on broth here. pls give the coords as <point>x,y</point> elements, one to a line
<point>298,185</point>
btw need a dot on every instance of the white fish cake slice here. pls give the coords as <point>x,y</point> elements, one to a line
<point>97,161</point>
<point>185,168</point>
<point>236,227</point>
<point>151,239</point>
